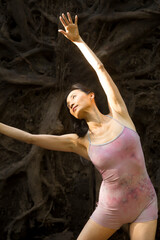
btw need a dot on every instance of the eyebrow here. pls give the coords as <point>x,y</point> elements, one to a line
<point>68,101</point>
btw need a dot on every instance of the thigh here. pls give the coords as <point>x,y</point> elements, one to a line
<point>143,230</point>
<point>94,231</point>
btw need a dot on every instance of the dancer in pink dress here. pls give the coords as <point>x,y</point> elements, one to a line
<point>126,194</point>
<point>113,145</point>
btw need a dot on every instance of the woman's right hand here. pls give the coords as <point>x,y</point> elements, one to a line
<point>71,29</point>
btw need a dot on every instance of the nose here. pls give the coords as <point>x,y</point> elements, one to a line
<point>72,105</point>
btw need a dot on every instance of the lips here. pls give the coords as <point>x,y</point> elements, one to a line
<point>74,108</point>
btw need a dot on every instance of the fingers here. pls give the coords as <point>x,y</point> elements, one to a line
<point>76,19</point>
<point>69,17</point>
<point>65,22</point>
<point>63,32</point>
<point>65,19</point>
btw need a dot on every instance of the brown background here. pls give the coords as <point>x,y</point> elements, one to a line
<point>49,195</point>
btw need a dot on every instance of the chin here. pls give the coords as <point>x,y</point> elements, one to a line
<point>78,116</point>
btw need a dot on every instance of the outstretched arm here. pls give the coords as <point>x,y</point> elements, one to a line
<point>114,97</point>
<point>65,143</point>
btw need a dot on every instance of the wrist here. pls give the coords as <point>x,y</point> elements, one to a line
<point>78,40</point>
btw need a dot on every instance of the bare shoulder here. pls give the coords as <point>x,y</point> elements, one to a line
<point>78,145</point>
<point>124,118</point>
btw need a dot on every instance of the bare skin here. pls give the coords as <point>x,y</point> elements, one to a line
<point>143,231</point>
<point>101,129</point>
<point>93,231</point>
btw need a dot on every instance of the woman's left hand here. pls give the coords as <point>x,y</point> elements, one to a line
<point>71,29</point>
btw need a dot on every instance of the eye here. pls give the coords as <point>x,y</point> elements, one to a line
<point>68,105</point>
<point>74,96</point>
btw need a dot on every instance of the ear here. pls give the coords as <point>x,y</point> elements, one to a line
<point>92,95</point>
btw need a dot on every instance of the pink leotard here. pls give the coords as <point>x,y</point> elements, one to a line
<point>126,193</point>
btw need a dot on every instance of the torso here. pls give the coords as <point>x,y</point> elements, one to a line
<point>126,186</point>
<point>108,131</point>
<point>117,154</point>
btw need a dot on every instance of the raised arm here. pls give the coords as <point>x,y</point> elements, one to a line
<point>65,143</point>
<point>114,97</point>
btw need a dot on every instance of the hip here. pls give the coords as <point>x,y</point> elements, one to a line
<point>140,193</point>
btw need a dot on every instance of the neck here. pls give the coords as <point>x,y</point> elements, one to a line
<point>94,118</point>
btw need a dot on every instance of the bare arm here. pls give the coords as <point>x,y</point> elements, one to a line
<point>65,143</point>
<point>114,97</point>
<point>15,133</point>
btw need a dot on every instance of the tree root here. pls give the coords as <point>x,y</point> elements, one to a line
<point>50,18</point>
<point>19,16</point>
<point>5,96</point>
<point>29,53</point>
<point>12,169</point>
<point>50,208</point>
<point>20,217</point>
<point>99,36</point>
<point>19,166</point>
<point>119,16</point>
<point>9,149</point>
<point>126,38</point>
<point>27,37</point>
<point>148,68</point>
<point>49,220</point>
<point>9,45</point>
<point>12,77</point>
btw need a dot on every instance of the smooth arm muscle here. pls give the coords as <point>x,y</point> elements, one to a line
<point>15,133</point>
<point>66,143</point>
<point>114,97</point>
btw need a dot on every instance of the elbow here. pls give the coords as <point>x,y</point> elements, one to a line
<point>100,66</point>
<point>30,138</point>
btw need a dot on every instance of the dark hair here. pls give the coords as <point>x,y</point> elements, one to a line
<point>80,126</point>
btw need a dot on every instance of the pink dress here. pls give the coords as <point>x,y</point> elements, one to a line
<point>126,193</point>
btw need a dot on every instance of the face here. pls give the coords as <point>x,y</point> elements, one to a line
<point>79,103</point>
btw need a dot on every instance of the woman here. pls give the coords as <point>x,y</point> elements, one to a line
<point>112,144</point>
